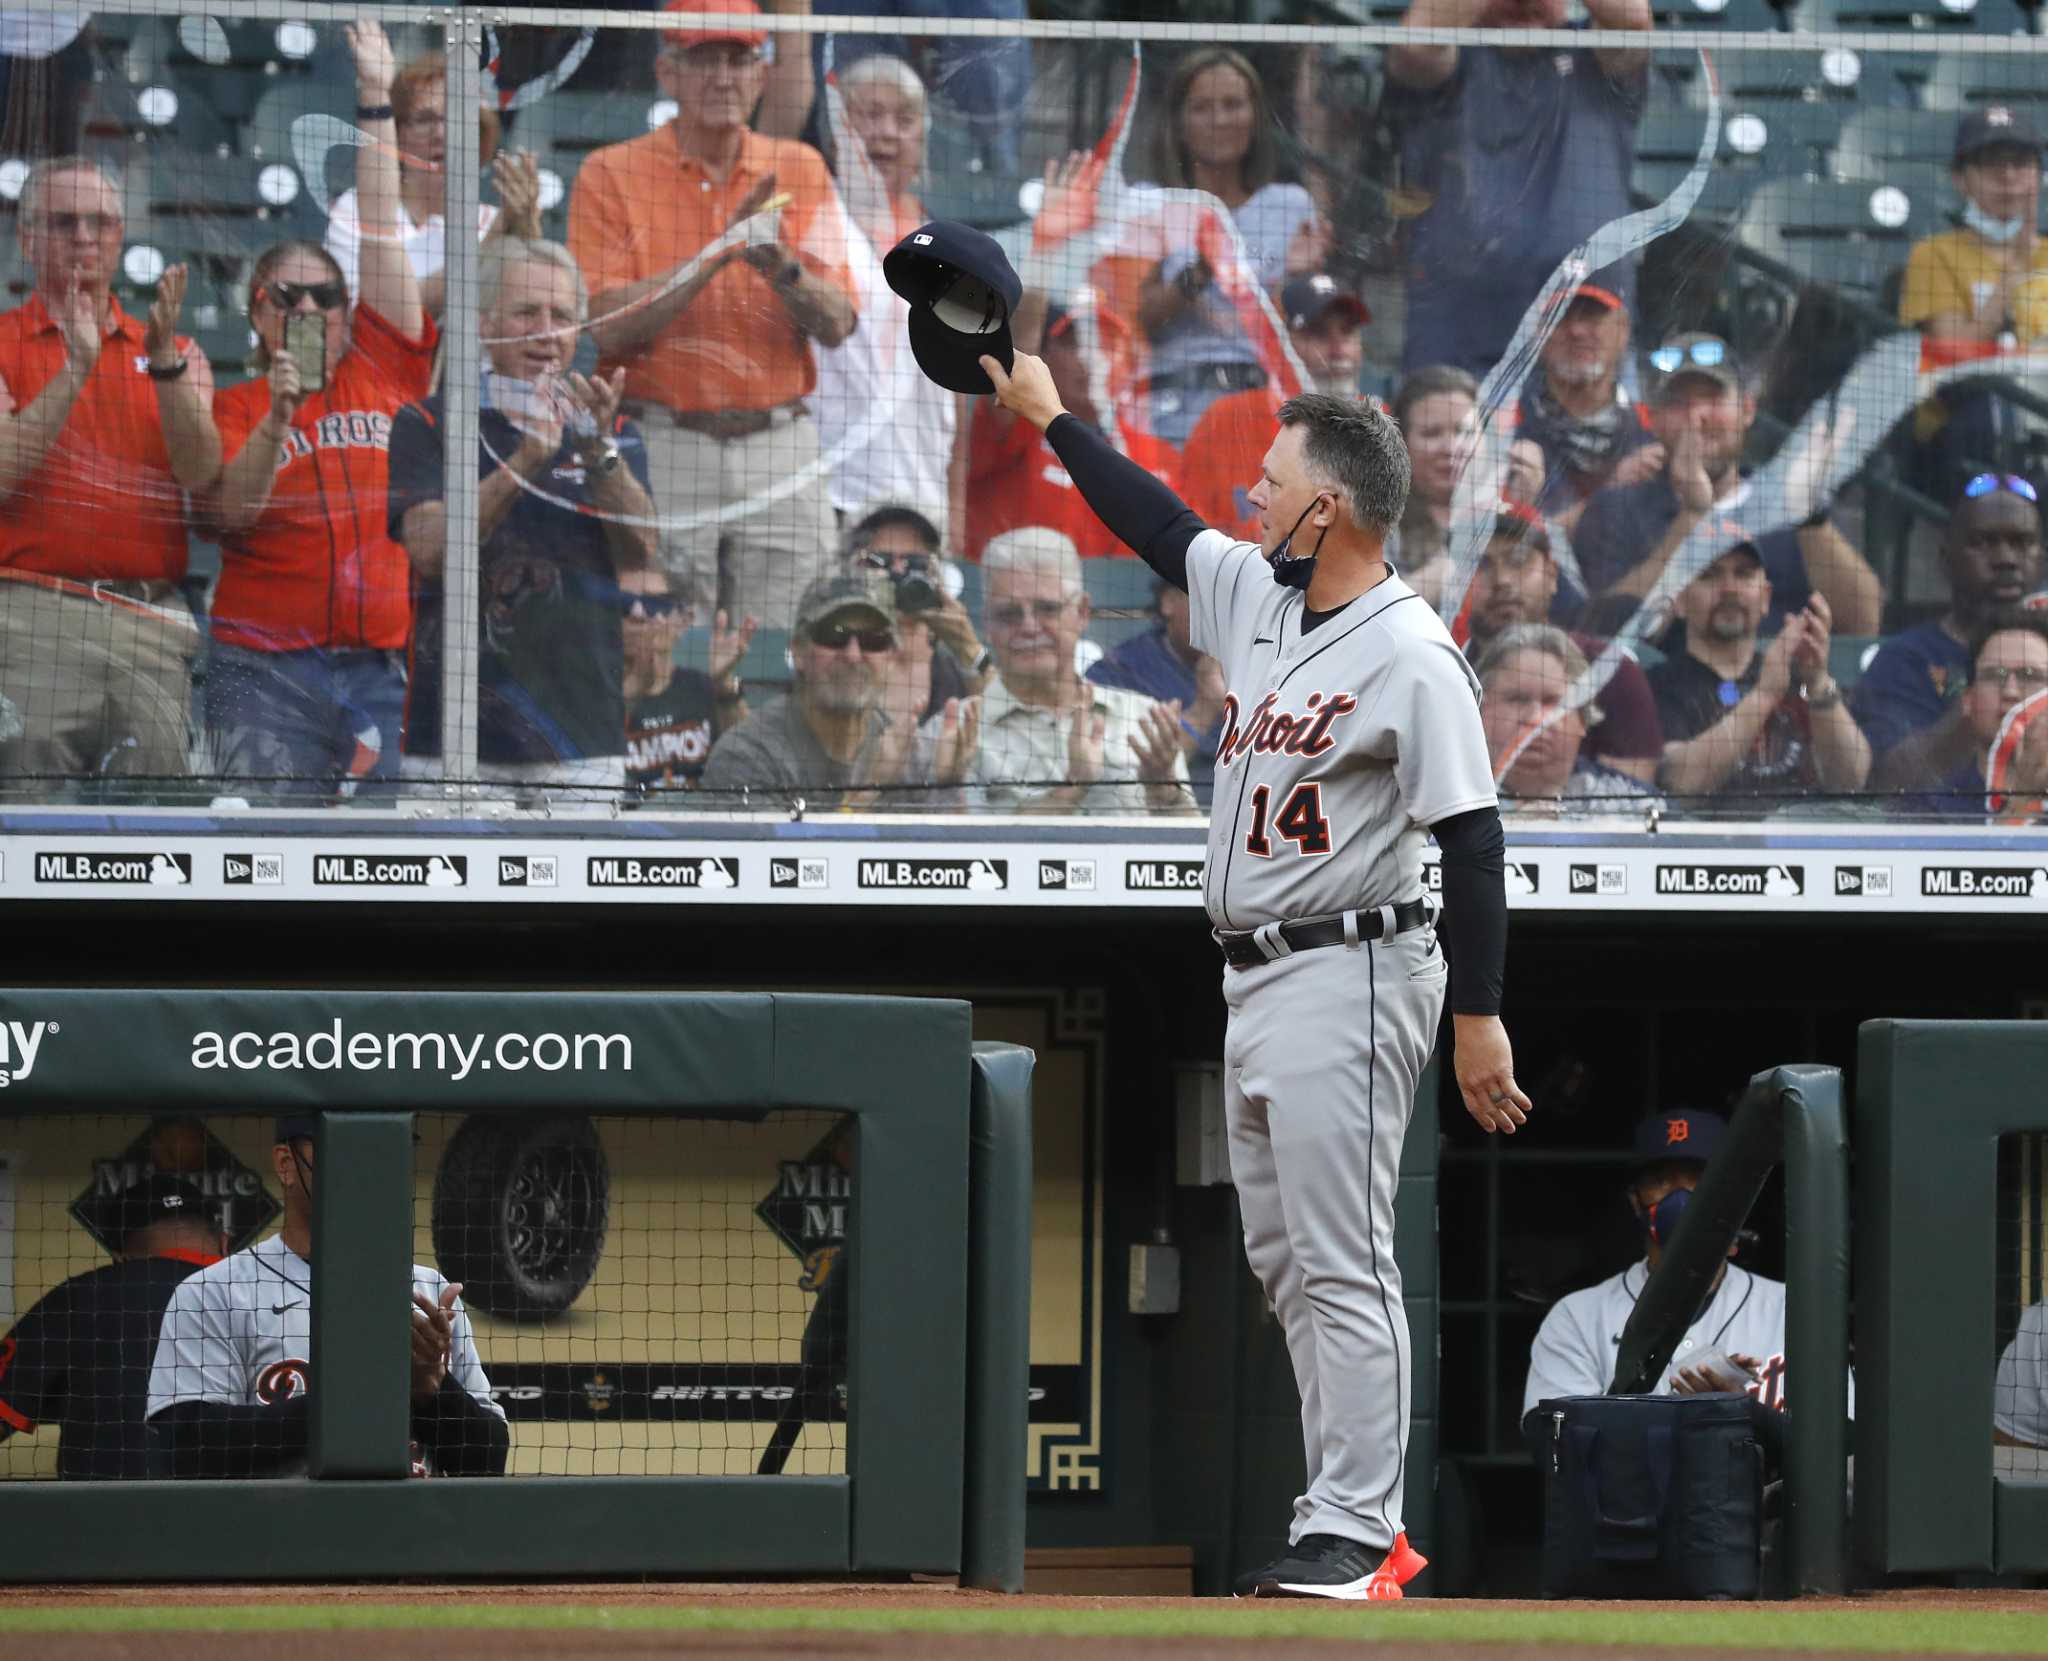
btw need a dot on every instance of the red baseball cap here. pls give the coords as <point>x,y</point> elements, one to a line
<point>1606,296</point>
<point>686,38</point>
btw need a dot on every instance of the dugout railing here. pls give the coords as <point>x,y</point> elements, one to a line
<point>1934,1101</point>
<point>1793,1115</point>
<point>938,1240</point>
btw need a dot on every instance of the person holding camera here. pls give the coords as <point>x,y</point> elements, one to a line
<point>305,687</point>
<point>938,654</point>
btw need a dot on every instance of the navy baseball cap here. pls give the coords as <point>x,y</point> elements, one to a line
<point>1998,127</point>
<point>962,291</point>
<point>1680,1133</point>
<point>155,1199</point>
<point>1309,298</point>
<point>291,1126</point>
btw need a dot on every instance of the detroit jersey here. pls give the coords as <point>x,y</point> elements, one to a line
<point>1580,1339</point>
<point>1339,746</point>
<point>239,1333</point>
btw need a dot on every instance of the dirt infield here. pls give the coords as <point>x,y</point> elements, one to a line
<point>619,1615</point>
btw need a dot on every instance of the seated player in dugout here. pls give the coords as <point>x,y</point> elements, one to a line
<point>1736,1343</point>
<point>228,1389</point>
<point>2019,1396</point>
<point>80,1358</point>
<point>720,351</point>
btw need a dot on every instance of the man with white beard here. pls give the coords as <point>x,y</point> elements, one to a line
<point>1591,432</point>
<point>1220,464</point>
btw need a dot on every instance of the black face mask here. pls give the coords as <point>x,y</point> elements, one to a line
<point>1292,572</point>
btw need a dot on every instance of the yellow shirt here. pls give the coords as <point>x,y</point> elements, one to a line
<point>1958,271</point>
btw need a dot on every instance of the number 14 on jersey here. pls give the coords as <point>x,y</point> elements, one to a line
<point>1300,821</point>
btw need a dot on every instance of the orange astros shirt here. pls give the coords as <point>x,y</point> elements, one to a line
<point>1222,458</point>
<point>103,504</point>
<point>319,568</point>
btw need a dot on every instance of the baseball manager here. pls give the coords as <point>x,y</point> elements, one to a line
<point>1351,731</point>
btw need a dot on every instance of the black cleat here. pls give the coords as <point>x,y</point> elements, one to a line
<point>1327,1566</point>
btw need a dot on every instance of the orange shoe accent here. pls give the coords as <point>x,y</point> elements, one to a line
<point>1383,1587</point>
<point>1404,1562</point>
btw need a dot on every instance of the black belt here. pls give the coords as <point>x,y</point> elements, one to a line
<point>1247,951</point>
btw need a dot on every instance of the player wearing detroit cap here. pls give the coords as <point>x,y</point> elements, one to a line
<point>228,1387</point>
<point>1350,733</point>
<point>1736,1342</point>
<point>80,1358</point>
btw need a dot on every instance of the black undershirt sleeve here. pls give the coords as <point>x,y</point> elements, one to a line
<point>467,1438</point>
<point>214,1439</point>
<point>1140,512</point>
<point>1475,915</point>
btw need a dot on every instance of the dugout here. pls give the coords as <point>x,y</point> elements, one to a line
<point>1194,1439</point>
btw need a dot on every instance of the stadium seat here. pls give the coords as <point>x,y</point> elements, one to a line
<point>1119,584</point>
<point>1876,142</point>
<point>1849,655</point>
<point>573,124</point>
<point>1959,81</point>
<point>1984,17</point>
<point>1830,232</point>
<point>958,185</point>
<point>1735,16</point>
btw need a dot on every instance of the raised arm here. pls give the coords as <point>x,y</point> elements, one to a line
<point>1427,67</point>
<point>388,284</point>
<point>1142,513</point>
<point>791,83</point>
<point>184,401</point>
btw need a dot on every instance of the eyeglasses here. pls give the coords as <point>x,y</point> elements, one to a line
<point>654,608</point>
<point>1011,615</point>
<point>832,637</point>
<point>2028,680</point>
<point>1701,354</point>
<point>1985,483</point>
<point>327,296</point>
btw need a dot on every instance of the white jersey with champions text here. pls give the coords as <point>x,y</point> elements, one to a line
<point>1339,746</point>
<point>1580,1339</point>
<point>239,1332</point>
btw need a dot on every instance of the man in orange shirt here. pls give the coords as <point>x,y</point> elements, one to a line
<point>1223,454</point>
<point>1013,477</point>
<point>719,363</point>
<point>103,428</point>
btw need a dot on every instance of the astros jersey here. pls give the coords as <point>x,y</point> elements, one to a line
<point>1339,746</point>
<point>1580,1339</point>
<point>239,1333</point>
<point>319,567</point>
<point>2019,1402</point>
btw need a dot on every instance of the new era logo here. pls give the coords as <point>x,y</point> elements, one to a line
<point>1073,875</point>
<point>267,869</point>
<point>528,870</point>
<point>799,873</point>
<point>1869,881</point>
<point>1599,879</point>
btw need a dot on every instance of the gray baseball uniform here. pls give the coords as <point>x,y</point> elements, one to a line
<point>1340,746</point>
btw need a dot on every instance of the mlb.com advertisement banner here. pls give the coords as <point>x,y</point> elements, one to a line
<point>1668,873</point>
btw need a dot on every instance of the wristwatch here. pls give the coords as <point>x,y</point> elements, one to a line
<point>602,462</point>
<point>729,690</point>
<point>1826,698</point>
<point>984,663</point>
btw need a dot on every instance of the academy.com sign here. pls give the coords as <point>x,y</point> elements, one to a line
<point>454,1054</point>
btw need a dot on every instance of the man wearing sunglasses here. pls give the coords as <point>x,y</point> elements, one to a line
<point>829,743</point>
<point>1701,411</point>
<point>103,430</point>
<point>1993,552</point>
<point>1941,769</point>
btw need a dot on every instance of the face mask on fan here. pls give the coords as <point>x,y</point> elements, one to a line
<point>1998,231</point>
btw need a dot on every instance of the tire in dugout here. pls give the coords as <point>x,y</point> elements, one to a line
<point>520,1212</point>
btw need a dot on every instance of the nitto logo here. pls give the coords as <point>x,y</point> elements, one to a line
<point>19,1042</point>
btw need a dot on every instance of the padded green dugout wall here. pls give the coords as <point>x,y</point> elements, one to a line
<point>1933,1099</point>
<point>906,1068</point>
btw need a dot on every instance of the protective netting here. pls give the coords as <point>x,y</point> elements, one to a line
<point>1716,364</point>
<point>2019,1392</point>
<point>607,1297</point>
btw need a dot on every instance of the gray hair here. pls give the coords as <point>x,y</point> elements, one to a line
<point>1353,448</point>
<point>888,70</point>
<point>1033,548</point>
<point>1547,639</point>
<point>508,251</point>
<point>40,175</point>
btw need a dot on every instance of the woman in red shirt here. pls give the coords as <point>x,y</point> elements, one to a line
<point>305,686</point>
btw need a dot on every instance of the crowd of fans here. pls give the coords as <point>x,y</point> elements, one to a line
<point>700,421</point>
